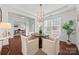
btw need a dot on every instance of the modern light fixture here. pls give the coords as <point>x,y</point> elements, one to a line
<point>4,25</point>
<point>40,16</point>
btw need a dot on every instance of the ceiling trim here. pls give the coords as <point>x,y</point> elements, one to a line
<point>60,10</point>
<point>18,11</point>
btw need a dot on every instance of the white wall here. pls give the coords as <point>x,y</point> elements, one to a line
<point>27,29</point>
<point>65,17</point>
<point>77,42</point>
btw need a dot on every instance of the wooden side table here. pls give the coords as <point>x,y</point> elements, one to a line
<point>68,49</point>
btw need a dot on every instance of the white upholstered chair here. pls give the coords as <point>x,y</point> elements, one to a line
<point>50,46</point>
<point>29,47</point>
<point>24,41</point>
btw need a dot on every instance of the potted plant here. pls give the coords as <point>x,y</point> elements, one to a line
<point>68,27</point>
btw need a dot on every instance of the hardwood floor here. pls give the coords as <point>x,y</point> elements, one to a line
<point>40,52</point>
<point>14,47</point>
<point>5,50</point>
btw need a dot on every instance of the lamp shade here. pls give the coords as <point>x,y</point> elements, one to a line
<point>5,25</point>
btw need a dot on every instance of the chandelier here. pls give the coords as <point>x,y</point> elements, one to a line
<point>40,16</point>
<point>4,25</point>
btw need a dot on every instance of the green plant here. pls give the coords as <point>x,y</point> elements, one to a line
<point>68,28</point>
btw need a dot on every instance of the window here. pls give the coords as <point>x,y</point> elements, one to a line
<point>56,26</point>
<point>53,26</point>
<point>47,27</point>
<point>32,26</point>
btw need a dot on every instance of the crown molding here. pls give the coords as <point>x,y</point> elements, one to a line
<point>18,11</point>
<point>60,10</point>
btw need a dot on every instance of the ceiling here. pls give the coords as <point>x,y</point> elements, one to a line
<point>33,9</point>
<point>13,17</point>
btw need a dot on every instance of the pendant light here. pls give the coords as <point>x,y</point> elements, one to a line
<point>40,16</point>
<point>4,25</point>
